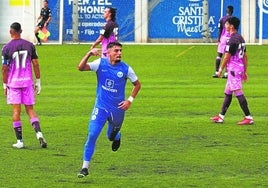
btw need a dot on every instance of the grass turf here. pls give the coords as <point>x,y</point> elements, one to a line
<point>167,138</point>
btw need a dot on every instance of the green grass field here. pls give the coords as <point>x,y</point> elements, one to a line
<point>167,137</point>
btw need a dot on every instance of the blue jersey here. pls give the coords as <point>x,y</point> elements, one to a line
<point>111,82</point>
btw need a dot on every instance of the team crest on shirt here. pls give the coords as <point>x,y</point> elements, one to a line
<point>120,74</point>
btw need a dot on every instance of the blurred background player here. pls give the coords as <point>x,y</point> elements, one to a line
<point>236,62</point>
<point>43,20</point>
<point>223,36</point>
<point>109,31</point>
<point>18,58</point>
<point>110,104</point>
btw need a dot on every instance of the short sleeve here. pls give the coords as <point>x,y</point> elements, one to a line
<point>131,75</point>
<point>94,65</point>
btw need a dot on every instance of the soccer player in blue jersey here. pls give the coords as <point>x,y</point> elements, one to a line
<point>19,57</point>
<point>109,31</point>
<point>110,104</point>
<point>236,62</point>
<point>42,20</point>
<point>223,36</point>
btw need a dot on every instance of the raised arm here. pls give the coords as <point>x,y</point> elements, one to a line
<point>83,65</point>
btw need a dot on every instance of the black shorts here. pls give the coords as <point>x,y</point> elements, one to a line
<point>41,24</point>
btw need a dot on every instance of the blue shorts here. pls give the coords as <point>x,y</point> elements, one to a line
<point>101,116</point>
<point>23,95</point>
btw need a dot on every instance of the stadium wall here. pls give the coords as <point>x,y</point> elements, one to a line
<point>141,21</point>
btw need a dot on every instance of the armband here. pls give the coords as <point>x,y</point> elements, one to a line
<point>130,99</point>
<point>38,81</point>
<point>4,85</point>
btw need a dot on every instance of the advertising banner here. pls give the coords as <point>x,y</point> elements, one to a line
<point>183,19</point>
<point>53,26</point>
<point>262,8</point>
<point>90,19</point>
<point>166,19</point>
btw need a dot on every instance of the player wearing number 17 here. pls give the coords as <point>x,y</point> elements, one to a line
<point>18,58</point>
<point>236,61</point>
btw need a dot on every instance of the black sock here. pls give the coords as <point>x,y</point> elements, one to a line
<point>226,103</point>
<point>36,126</point>
<point>38,39</point>
<point>217,64</point>
<point>243,104</point>
<point>18,132</point>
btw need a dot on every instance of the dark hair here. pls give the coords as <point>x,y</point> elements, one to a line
<point>46,1</point>
<point>231,9</point>
<point>234,21</point>
<point>113,13</point>
<point>112,44</point>
<point>16,27</point>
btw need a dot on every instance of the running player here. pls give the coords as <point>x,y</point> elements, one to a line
<point>110,104</point>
